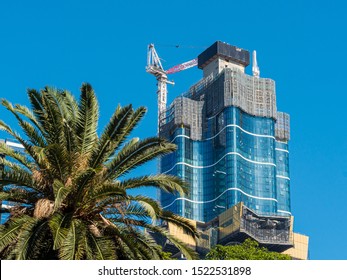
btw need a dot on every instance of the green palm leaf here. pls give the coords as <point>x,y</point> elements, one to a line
<point>134,155</point>
<point>87,120</point>
<point>59,224</point>
<point>33,134</point>
<point>60,193</point>
<point>10,232</point>
<point>188,252</point>
<point>29,239</point>
<point>149,206</point>
<point>6,151</point>
<point>168,183</point>
<point>73,247</point>
<point>101,248</point>
<point>179,222</point>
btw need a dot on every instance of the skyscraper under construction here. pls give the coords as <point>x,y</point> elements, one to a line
<point>232,150</point>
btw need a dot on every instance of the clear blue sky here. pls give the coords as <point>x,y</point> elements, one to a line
<point>300,44</point>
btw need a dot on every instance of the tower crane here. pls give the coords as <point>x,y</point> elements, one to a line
<point>155,68</point>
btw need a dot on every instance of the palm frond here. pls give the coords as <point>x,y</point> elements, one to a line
<point>26,112</point>
<point>150,206</point>
<point>14,134</point>
<point>68,105</point>
<point>146,247</point>
<point>38,155</point>
<point>180,222</point>
<point>69,110</point>
<point>188,252</point>
<point>30,149</point>
<point>10,231</point>
<point>29,239</point>
<point>33,133</point>
<point>117,123</point>
<point>52,121</point>
<point>18,178</point>
<point>105,191</point>
<point>6,164</point>
<point>102,248</point>
<point>132,156</point>
<point>7,151</point>
<point>133,210</point>
<point>81,183</point>
<point>19,195</point>
<point>87,120</point>
<point>124,240</point>
<point>38,110</point>
<point>73,246</point>
<point>120,126</point>
<point>57,159</point>
<point>168,183</point>
<point>59,224</point>
<point>60,193</point>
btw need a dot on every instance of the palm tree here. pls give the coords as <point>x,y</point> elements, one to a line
<point>68,191</point>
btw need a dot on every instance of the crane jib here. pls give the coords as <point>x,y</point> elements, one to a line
<point>183,66</point>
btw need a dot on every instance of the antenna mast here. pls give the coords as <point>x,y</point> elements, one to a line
<point>255,68</point>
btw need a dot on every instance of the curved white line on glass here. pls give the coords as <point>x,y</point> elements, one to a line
<point>179,136</point>
<point>229,189</point>
<point>282,150</point>
<point>286,212</point>
<point>229,125</point>
<point>208,166</point>
<point>245,131</point>
<point>283,177</point>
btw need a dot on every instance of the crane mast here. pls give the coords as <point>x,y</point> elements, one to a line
<point>155,68</point>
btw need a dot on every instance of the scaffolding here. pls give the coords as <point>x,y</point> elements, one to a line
<point>207,98</point>
<point>282,127</point>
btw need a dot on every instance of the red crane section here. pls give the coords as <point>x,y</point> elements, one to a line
<point>182,66</point>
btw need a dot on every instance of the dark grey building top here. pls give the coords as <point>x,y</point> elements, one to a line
<point>226,51</point>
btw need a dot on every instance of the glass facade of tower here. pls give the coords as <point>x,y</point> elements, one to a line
<point>232,146</point>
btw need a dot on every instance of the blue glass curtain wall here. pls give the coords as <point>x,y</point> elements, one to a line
<point>238,160</point>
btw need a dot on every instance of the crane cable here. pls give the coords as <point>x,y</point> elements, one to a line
<point>181,46</point>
